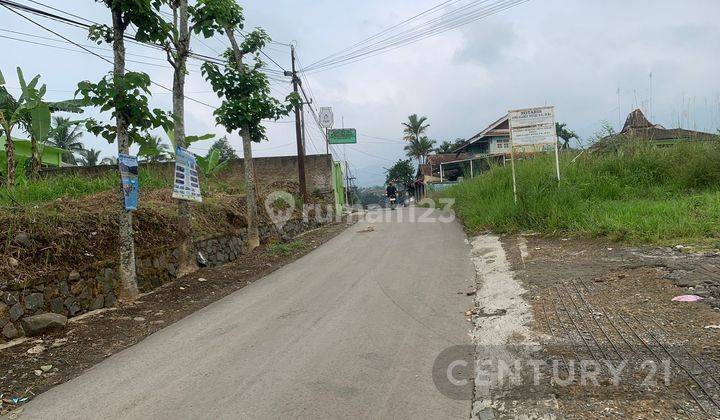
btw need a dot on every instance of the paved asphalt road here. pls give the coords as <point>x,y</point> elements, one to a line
<point>349,331</point>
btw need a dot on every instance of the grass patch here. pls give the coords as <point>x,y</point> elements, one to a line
<point>29,192</point>
<point>638,194</point>
<point>286,250</point>
<point>74,186</point>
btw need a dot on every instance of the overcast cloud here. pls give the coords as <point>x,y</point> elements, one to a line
<point>574,55</point>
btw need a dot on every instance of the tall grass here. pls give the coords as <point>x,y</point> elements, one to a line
<point>638,194</point>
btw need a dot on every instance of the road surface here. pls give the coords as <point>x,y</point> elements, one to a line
<point>350,330</point>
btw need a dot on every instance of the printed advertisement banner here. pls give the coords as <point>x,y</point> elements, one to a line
<point>129,179</point>
<point>187,182</point>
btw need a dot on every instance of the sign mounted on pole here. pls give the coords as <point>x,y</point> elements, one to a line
<point>533,127</point>
<point>326,117</point>
<point>533,130</point>
<point>129,179</point>
<point>342,136</point>
<point>187,183</point>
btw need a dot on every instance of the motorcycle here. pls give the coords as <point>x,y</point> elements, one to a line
<point>393,202</point>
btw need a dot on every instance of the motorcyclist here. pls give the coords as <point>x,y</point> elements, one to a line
<point>391,190</point>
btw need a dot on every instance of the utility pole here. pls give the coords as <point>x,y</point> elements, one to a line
<point>298,128</point>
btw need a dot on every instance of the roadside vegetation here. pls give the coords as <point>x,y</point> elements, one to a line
<point>639,194</point>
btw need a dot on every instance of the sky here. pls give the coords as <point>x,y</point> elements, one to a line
<point>592,60</point>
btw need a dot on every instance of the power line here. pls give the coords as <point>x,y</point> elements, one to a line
<point>201,57</point>
<point>382,32</point>
<point>435,26</point>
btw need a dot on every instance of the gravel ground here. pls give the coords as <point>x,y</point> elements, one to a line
<point>607,305</point>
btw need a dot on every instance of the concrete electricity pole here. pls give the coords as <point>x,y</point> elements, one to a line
<point>298,129</point>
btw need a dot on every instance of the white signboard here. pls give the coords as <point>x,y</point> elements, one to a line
<point>533,126</point>
<point>187,182</point>
<point>326,117</point>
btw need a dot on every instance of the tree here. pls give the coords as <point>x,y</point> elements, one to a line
<point>449,146</point>
<point>225,151</point>
<point>420,149</point>
<point>565,134</point>
<point>152,149</point>
<point>415,127</point>
<point>177,48</point>
<point>125,93</point>
<point>244,88</point>
<point>112,160</point>
<point>9,119</point>
<point>89,157</point>
<point>66,135</point>
<point>402,172</point>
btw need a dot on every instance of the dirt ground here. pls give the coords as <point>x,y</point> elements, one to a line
<point>605,303</point>
<point>37,364</point>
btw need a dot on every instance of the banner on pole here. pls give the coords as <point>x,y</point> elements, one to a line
<point>187,182</point>
<point>129,180</point>
<point>533,129</point>
<point>342,136</point>
<point>325,115</point>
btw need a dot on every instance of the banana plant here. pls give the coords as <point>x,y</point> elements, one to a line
<point>31,113</point>
<point>188,139</point>
<point>211,165</point>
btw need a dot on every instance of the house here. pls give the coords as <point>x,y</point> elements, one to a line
<point>51,156</point>
<point>637,127</point>
<point>492,141</point>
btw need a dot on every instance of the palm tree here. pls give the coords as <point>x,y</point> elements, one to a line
<point>420,149</point>
<point>89,157</point>
<point>66,135</point>
<point>415,127</point>
<point>112,160</point>
<point>565,134</point>
<point>153,149</point>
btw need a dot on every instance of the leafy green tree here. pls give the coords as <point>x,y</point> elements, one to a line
<point>66,135</point>
<point>125,94</point>
<point>244,88</point>
<point>402,172</point>
<point>420,149</point>
<point>415,127</point>
<point>89,157</point>
<point>565,134</point>
<point>449,146</point>
<point>225,151</point>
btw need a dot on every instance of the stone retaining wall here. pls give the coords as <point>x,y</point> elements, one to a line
<point>96,287</point>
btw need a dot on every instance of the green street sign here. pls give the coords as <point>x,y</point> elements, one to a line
<point>342,136</point>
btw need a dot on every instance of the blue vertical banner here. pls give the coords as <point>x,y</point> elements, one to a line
<point>187,181</point>
<point>129,180</point>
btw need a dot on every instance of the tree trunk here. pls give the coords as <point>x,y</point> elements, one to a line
<point>10,154</point>
<point>182,48</point>
<point>34,158</point>
<point>253,236</point>
<point>253,239</point>
<point>128,281</point>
